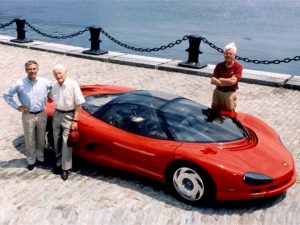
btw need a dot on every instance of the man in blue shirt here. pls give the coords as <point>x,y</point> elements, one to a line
<point>32,92</point>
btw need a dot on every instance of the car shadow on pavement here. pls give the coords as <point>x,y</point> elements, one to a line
<point>145,186</point>
<point>160,192</point>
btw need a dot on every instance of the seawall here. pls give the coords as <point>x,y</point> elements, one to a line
<point>96,195</point>
<point>249,76</point>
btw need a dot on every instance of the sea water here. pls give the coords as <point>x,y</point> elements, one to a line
<point>261,29</point>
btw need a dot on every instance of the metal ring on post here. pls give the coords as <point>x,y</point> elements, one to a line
<point>21,32</point>
<point>194,51</point>
<point>95,42</point>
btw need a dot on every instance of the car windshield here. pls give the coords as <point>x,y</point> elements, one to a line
<point>189,121</point>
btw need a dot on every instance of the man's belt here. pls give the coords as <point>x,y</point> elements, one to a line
<point>37,112</point>
<point>225,89</point>
<point>64,111</point>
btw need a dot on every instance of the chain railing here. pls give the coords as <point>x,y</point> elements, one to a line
<point>6,24</point>
<point>255,61</point>
<point>55,36</point>
<point>162,47</point>
<point>193,50</point>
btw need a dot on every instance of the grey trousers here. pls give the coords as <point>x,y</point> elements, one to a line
<point>61,128</point>
<point>34,126</point>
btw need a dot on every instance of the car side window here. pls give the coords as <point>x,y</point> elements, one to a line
<point>134,118</point>
<point>94,103</point>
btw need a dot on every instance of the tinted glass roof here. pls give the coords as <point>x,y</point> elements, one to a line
<point>183,119</point>
<point>157,94</point>
<point>153,99</point>
<point>189,121</point>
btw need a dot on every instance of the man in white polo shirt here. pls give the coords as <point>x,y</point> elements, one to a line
<point>67,98</point>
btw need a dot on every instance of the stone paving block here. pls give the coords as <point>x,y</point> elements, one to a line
<point>173,67</point>
<point>5,38</point>
<point>104,57</point>
<point>140,61</point>
<point>293,82</point>
<point>55,48</point>
<point>264,78</point>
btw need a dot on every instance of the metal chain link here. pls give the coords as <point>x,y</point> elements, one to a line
<point>211,45</point>
<point>56,37</point>
<point>6,24</point>
<point>163,47</point>
<point>255,61</point>
<point>266,62</point>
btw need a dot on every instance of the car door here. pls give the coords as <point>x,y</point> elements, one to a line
<point>137,139</point>
<point>120,141</point>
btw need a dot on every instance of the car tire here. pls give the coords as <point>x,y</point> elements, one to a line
<point>190,184</point>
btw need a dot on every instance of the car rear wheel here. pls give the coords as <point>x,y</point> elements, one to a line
<point>190,184</point>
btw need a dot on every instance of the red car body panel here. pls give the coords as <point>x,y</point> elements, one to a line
<point>120,149</point>
<point>226,163</point>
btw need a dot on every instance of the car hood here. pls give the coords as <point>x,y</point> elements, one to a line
<point>271,159</point>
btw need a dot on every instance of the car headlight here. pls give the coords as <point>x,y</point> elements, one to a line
<point>252,178</point>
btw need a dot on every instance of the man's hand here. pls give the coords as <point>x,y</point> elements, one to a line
<point>215,81</point>
<point>74,125</point>
<point>22,109</point>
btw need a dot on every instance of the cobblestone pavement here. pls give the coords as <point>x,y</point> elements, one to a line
<point>102,196</point>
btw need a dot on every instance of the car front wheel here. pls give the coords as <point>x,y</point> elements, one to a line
<point>191,184</point>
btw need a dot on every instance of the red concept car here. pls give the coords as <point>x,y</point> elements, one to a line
<point>199,154</point>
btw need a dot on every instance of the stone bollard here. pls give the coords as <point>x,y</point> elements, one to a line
<point>194,52</point>
<point>95,42</point>
<point>21,32</point>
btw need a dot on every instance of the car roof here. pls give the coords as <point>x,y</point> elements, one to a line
<point>156,99</point>
<point>156,94</point>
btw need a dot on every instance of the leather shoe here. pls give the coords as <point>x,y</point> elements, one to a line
<point>31,166</point>
<point>64,175</point>
<point>41,163</point>
<point>57,170</point>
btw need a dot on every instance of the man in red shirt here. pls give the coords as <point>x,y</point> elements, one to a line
<point>226,77</point>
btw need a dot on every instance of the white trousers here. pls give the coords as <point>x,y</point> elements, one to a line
<point>61,128</point>
<point>34,126</point>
